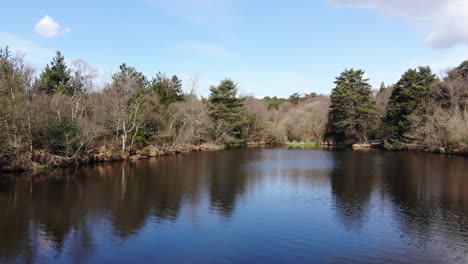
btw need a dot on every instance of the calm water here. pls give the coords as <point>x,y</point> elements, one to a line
<point>243,206</point>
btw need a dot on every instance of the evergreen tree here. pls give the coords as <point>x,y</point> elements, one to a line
<point>406,101</point>
<point>274,102</point>
<point>463,66</point>
<point>56,77</point>
<point>295,98</point>
<point>463,69</point>
<point>169,90</point>
<point>382,87</point>
<point>352,112</point>
<point>227,112</point>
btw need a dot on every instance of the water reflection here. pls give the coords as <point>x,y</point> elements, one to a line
<point>352,180</point>
<point>77,215</point>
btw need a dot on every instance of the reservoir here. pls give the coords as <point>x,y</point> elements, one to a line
<point>268,205</point>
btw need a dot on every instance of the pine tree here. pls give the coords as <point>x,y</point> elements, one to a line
<point>295,98</point>
<point>352,112</point>
<point>463,69</point>
<point>56,77</point>
<point>406,101</point>
<point>169,90</point>
<point>382,87</point>
<point>227,112</point>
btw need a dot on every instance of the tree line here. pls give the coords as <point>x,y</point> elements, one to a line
<point>63,112</point>
<point>420,111</point>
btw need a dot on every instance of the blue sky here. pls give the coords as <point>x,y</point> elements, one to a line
<point>268,47</point>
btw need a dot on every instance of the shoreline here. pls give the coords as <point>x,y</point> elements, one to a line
<point>40,160</point>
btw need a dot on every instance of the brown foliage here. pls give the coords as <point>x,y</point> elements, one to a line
<point>189,122</point>
<point>304,121</point>
<point>445,124</point>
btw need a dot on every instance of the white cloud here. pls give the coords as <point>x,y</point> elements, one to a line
<point>49,28</point>
<point>451,25</point>
<point>207,49</point>
<point>444,20</point>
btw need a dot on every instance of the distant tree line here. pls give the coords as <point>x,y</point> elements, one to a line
<point>62,112</point>
<point>419,111</point>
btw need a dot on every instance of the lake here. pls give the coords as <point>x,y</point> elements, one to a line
<point>242,206</point>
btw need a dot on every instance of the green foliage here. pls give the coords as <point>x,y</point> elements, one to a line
<point>463,66</point>
<point>14,96</point>
<point>12,75</point>
<point>406,101</point>
<point>55,78</point>
<point>58,136</point>
<point>227,112</point>
<point>169,90</point>
<point>295,144</point>
<point>136,113</point>
<point>129,80</point>
<point>295,98</point>
<point>382,87</point>
<point>7,71</point>
<point>352,112</point>
<point>391,144</point>
<point>140,140</point>
<point>274,102</point>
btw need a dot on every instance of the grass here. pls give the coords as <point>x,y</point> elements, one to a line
<point>43,168</point>
<point>296,144</point>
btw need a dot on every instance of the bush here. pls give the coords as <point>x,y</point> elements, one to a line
<point>58,136</point>
<point>295,144</point>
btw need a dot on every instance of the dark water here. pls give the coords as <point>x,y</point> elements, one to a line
<point>243,206</point>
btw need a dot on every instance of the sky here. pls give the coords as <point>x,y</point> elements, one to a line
<point>273,48</point>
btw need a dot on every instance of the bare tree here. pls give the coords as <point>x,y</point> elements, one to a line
<point>125,97</point>
<point>189,121</point>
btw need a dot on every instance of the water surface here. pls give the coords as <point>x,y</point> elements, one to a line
<point>242,206</point>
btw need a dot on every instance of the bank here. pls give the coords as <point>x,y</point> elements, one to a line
<point>40,160</point>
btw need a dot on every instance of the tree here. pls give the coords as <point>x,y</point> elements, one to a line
<point>227,112</point>
<point>452,93</point>
<point>295,98</point>
<point>258,113</point>
<point>56,77</point>
<point>189,121</point>
<point>353,111</point>
<point>382,87</point>
<point>82,77</point>
<point>274,102</point>
<point>15,85</point>
<point>443,126</point>
<point>463,68</point>
<point>126,95</point>
<point>406,102</point>
<point>306,122</point>
<point>169,90</point>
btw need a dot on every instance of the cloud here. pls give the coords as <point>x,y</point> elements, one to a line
<point>49,28</point>
<point>445,21</point>
<point>207,49</point>
<point>36,55</point>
